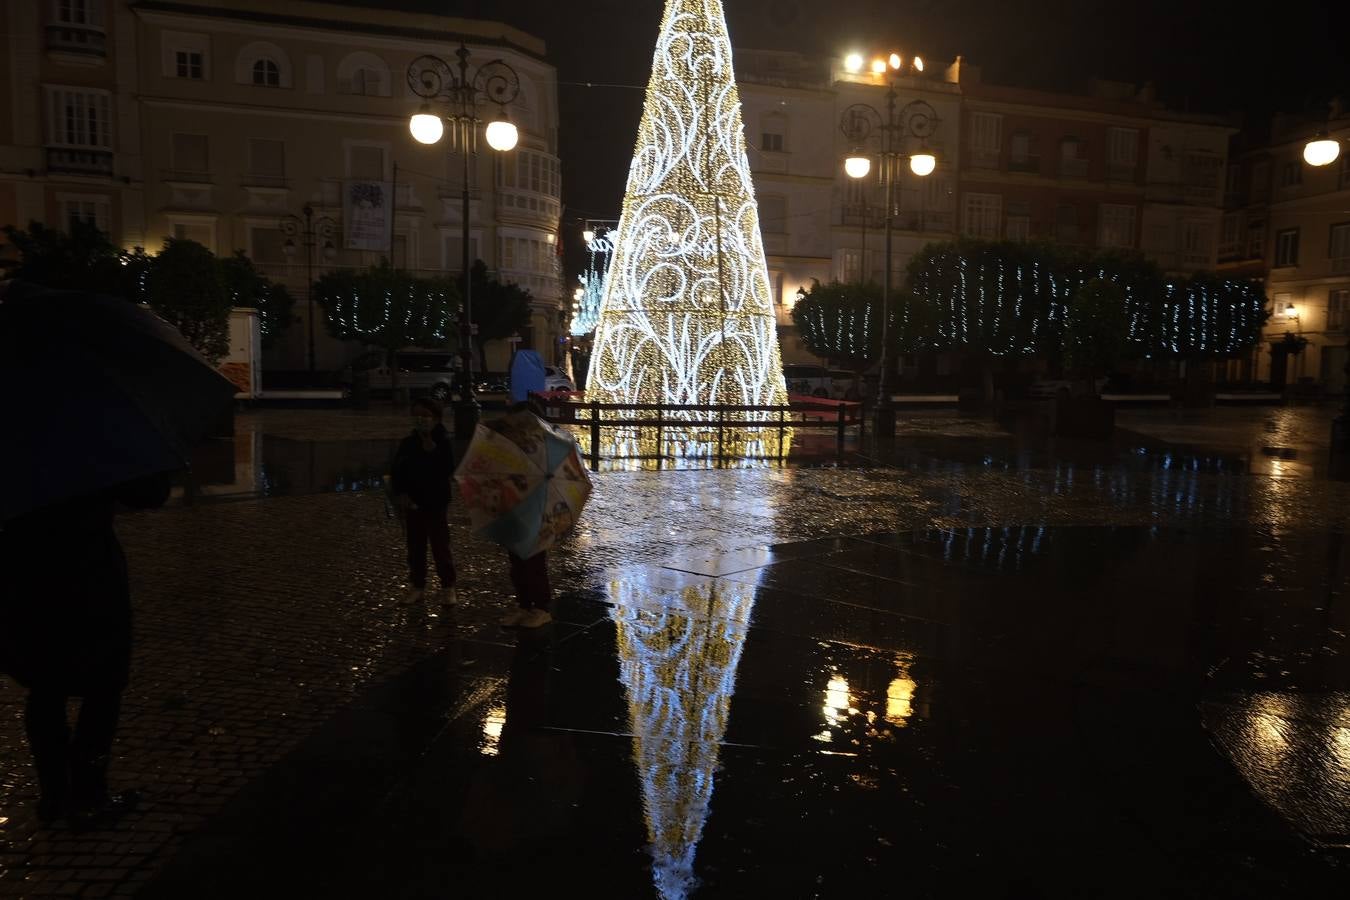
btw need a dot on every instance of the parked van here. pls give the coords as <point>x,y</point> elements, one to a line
<point>419,371</point>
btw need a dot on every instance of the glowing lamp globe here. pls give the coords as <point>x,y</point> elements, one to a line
<point>922,163</point>
<point>853,62</point>
<point>502,136</point>
<point>857,166</point>
<point>878,66</point>
<point>1321,151</point>
<point>895,61</point>
<point>426,128</point>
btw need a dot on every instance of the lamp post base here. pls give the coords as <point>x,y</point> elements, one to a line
<point>467,413</point>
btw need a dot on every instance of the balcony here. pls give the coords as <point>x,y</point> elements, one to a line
<point>528,204</point>
<point>79,39</point>
<point>1031,164</point>
<point>79,161</point>
<point>1073,168</point>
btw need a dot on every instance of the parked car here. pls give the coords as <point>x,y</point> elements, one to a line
<point>812,381</point>
<point>493,383</point>
<point>419,371</point>
<point>556,380</point>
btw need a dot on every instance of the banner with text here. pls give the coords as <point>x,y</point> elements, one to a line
<point>366,211</point>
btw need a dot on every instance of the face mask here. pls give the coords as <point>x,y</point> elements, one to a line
<point>423,426</point>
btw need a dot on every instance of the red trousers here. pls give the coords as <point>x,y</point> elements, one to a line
<point>530,577</point>
<point>428,526</point>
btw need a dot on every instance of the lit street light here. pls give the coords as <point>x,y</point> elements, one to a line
<point>861,124</point>
<point>437,81</point>
<point>1321,151</point>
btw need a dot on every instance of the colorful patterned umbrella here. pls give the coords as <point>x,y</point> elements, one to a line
<point>523,482</point>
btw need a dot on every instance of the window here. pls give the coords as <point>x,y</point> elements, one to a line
<point>79,118</point>
<point>266,73</point>
<point>190,153</point>
<point>189,64</point>
<point>986,130</point>
<point>1291,174</point>
<point>1122,148</point>
<point>1261,180</point>
<point>1022,153</point>
<point>1072,162</point>
<point>365,163</point>
<point>452,251</point>
<point>369,82</point>
<point>267,246</point>
<point>267,159</point>
<point>529,171</point>
<point>773,214</point>
<point>85,13</point>
<point>850,266</point>
<point>982,214</point>
<point>94,211</point>
<point>203,233</point>
<point>1018,223</point>
<point>771,142</point>
<point>1280,303</point>
<point>1338,303</point>
<point>1256,239</point>
<point>1339,248</point>
<point>1116,228</point>
<point>1195,239</point>
<point>1066,223</point>
<point>1286,247</point>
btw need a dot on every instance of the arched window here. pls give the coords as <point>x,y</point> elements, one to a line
<point>263,64</point>
<point>266,73</point>
<point>365,74</point>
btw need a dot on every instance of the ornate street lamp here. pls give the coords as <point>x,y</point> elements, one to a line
<point>461,92</point>
<point>862,124</point>
<point>310,231</point>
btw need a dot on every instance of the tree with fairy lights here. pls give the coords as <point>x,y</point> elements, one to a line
<point>687,316</point>
<point>388,308</point>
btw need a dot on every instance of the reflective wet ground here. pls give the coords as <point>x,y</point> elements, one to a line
<point>995,666</point>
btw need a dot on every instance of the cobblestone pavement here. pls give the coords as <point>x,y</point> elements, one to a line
<point>259,621</point>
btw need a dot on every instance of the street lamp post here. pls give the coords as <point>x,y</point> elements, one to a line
<point>863,124</point>
<point>309,230</point>
<point>462,91</point>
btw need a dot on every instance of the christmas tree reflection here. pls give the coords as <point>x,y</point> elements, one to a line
<point>678,652</point>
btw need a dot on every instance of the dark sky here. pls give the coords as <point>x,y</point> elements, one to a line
<point>1205,56</point>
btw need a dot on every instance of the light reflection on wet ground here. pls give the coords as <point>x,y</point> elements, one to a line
<point>993,667</point>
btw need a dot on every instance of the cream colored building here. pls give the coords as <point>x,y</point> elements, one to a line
<point>214,119</point>
<point>1307,256</point>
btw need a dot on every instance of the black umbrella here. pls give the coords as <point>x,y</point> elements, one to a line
<point>95,391</point>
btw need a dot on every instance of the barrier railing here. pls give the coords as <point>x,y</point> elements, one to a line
<point>712,423</point>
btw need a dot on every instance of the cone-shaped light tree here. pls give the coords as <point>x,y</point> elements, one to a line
<point>687,316</point>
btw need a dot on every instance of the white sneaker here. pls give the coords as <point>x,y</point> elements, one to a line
<point>449,597</point>
<point>535,618</point>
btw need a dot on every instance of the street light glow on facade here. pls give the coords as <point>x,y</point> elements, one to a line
<point>878,66</point>
<point>1321,151</point>
<point>426,127</point>
<point>853,62</point>
<point>857,166</point>
<point>502,135</point>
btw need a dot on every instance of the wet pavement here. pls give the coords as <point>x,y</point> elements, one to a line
<point>989,665</point>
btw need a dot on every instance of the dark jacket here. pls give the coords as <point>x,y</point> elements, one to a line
<point>424,475</point>
<point>65,605</point>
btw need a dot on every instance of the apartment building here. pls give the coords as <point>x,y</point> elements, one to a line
<point>216,119</point>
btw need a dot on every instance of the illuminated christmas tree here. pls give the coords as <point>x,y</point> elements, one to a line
<point>678,654</point>
<point>687,316</point>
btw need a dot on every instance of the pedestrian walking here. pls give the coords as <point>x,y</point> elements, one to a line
<point>421,473</point>
<point>534,594</point>
<point>65,631</point>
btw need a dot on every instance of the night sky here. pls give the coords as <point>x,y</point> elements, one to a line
<point>1205,56</point>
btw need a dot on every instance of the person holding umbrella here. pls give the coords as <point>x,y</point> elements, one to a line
<point>524,484</point>
<point>123,398</point>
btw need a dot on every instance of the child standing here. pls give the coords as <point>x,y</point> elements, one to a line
<point>423,466</point>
